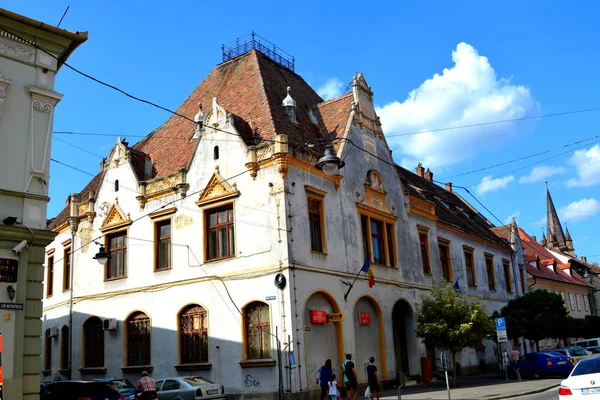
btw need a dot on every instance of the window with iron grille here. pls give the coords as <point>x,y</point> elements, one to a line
<point>93,346</point>
<point>507,277</point>
<point>220,233</point>
<point>116,267</point>
<point>67,269</point>
<point>491,274</point>
<point>64,347</point>
<point>315,216</point>
<point>139,334</point>
<point>163,245</point>
<point>470,266</point>
<point>193,335</point>
<point>424,246</point>
<point>444,250</point>
<point>50,280</point>
<point>47,350</point>
<point>258,328</point>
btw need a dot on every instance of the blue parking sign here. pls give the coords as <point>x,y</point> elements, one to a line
<point>500,324</point>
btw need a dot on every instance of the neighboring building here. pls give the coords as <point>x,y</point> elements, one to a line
<point>27,104</point>
<point>223,234</point>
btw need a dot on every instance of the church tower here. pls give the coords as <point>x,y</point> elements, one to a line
<point>556,237</point>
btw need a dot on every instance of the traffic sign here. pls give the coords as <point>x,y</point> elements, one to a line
<point>502,337</point>
<point>500,324</point>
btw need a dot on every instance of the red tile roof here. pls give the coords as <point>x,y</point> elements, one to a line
<point>84,195</point>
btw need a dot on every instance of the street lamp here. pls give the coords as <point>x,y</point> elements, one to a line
<point>330,163</point>
<point>102,256</point>
<point>11,292</point>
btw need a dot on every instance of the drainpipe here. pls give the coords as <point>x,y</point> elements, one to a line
<point>534,282</point>
<point>74,224</point>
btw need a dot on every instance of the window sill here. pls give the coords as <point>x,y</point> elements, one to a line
<point>92,370</point>
<point>63,371</point>
<point>194,367</point>
<point>318,253</point>
<point>137,368</point>
<point>212,260</point>
<point>257,363</point>
<point>47,372</point>
<point>162,269</point>
<point>115,279</point>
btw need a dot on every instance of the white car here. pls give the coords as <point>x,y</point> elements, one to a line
<point>583,382</point>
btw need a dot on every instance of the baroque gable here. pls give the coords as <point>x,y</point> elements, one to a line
<point>375,200</point>
<point>115,218</point>
<point>217,189</point>
<point>118,155</point>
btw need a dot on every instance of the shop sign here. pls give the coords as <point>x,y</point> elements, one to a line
<point>335,317</point>
<point>364,318</point>
<point>9,269</point>
<point>318,317</point>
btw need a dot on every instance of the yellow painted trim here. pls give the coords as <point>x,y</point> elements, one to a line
<point>444,240</point>
<point>62,228</point>
<point>311,168</point>
<point>488,255</point>
<point>66,243</point>
<point>506,264</point>
<point>314,191</point>
<point>382,348</point>
<point>50,252</point>
<point>377,214</point>
<point>162,213</point>
<point>473,237</point>
<point>422,213</point>
<point>425,231</point>
<point>446,244</point>
<point>322,222</point>
<point>468,252</point>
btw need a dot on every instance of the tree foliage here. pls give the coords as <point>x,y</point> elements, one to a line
<point>536,315</point>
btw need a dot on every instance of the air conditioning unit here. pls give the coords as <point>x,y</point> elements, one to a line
<point>110,324</point>
<point>52,332</point>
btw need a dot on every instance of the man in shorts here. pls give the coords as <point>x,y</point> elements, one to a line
<point>350,380</point>
<point>373,378</point>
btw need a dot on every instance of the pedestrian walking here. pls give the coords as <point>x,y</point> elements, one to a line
<point>350,380</point>
<point>333,390</point>
<point>323,376</point>
<point>373,379</point>
<point>515,355</point>
<point>146,387</point>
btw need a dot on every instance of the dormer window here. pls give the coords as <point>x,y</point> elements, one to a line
<point>148,168</point>
<point>289,104</point>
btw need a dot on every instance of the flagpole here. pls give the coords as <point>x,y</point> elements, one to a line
<point>352,285</point>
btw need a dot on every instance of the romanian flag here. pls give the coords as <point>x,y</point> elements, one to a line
<point>371,278</point>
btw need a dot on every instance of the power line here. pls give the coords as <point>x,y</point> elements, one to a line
<point>496,122</point>
<point>78,147</point>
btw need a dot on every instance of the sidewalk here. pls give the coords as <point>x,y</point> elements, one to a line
<point>488,387</point>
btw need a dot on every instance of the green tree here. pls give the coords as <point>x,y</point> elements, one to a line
<point>450,321</point>
<point>536,315</point>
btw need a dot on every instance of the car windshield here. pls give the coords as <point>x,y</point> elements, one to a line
<point>587,366</point>
<point>578,352</point>
<point>122,383</point>
<point>552,354</point>
<point>196,380</point>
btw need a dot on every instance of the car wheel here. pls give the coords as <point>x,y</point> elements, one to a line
<point>537,375</point>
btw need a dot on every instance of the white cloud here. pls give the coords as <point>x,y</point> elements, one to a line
<point>540,173</point>
<point>467,93</point>
<point>580,210</point>
<point>331,88</point>
<point>587,166</point>
<point>541,222</point>
<point>488,184</point>
<point>508,219</point>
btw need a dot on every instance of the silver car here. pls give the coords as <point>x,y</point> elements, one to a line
<point>189,388</point>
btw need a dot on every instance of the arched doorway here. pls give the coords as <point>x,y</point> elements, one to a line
<point>403,322</point>
<point>322,340</point>
<point>369,338</point>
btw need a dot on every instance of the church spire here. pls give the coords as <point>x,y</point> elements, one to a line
<point>556,236</point>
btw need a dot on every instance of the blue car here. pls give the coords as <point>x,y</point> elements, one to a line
<point>541,364</point>
<point>125,387</point>
<point>77,390</point>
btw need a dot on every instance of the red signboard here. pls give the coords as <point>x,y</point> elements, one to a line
<point>318,317</point>
<point>364,318</point>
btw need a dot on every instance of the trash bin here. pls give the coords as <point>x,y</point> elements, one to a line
<point>426,368</point>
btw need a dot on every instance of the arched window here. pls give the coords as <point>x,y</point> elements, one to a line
<point>193,335</point>
<point>117,185</point>
<point>47,350</point>
<point>64,347</point>
<point>258,328</point>
<point>216,152</point>
<point>93,345</point>
<point>139,334</point>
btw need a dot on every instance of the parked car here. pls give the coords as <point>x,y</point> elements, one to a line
<point>593,349</point>
<point>125,386</point>
<point>577,353</point>
<point>76,390</point>
<point>541,364</point>
<point>584,380</point>
<point>189,388</point>
<point>585,342</point>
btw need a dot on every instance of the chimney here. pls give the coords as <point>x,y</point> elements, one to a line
<point>449,186</point>
<point>420,170</point>
<point>429,175</point>
<point>534,238</point>
<point>102,164</point>
<point>584,258</point>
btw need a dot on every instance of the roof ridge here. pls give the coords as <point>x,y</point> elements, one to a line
<point>338,98</point>
<point>262,91</point>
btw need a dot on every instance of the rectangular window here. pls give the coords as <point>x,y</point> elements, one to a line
<point>163,254</point>
<point>445,264</point>
<point>116,267</point>
<point>378,241</point>
<point>67,269</point>
<point>220,233</point>
<point>586,303</point>
<point>522,276</point>
<point>507,277</point>
<point>315,219</point>
<point>50,278</point>
<point>577,302</point>
<point>424,246</point>
<point>491,274</point>
<point>470,266</point>
<point>572,301</point>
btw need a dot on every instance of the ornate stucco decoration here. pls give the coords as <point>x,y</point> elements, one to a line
<point>118,155</point>
<point>20,52</point>
<point>116,218</point>
<point>4,82</point>
<point>217,117</point>
<point>163,186</point>
<point>375,201</point>
<point>217,189</point>
<point>421,206</point>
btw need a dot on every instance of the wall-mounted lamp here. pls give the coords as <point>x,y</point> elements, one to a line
<point>11,292</point>
<point>102,256</point>
<point>330,163</point>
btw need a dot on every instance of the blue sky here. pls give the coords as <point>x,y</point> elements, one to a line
<point>430,64</point>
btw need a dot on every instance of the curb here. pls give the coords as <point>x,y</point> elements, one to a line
<point>534,391</point>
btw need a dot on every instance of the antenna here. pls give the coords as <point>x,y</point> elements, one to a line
<point>63,16</point>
